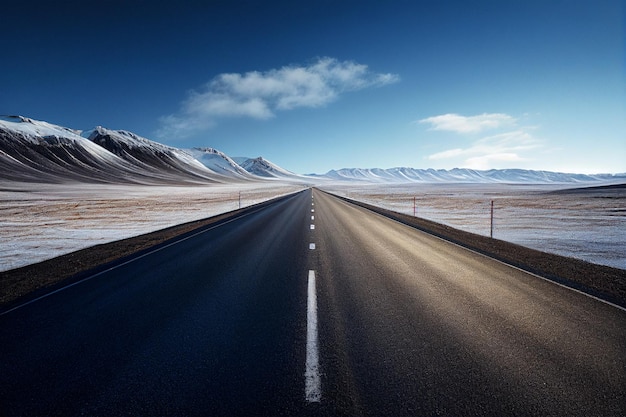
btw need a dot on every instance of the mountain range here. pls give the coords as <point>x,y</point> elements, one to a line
<point>37,151</point>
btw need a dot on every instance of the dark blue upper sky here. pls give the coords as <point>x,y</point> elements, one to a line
<point>315,85</point>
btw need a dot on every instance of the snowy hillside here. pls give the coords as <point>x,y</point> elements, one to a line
<point>218,162</point>
<point>264,168</point>
<point>37,151</point>
<point>160,160</point>
<point>460,175</point>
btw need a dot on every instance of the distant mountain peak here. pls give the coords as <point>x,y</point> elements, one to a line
<point>209,150</point>
<point>219,162</point>
<point>263,168</point>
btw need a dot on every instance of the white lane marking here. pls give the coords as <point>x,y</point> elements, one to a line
<point>312,210</point>
<point>312,378</point>
<point>312,226</point>
<point>311,245</point>
<point>312,217</point>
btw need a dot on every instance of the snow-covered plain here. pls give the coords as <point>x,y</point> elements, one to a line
<point>589,225</point>
<point>41,221</point>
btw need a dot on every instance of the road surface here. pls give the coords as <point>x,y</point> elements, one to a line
<point>313,306</point>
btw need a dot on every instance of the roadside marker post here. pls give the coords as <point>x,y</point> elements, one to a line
<point>491,228</point>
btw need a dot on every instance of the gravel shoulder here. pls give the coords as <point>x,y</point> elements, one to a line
<point>21,284</point>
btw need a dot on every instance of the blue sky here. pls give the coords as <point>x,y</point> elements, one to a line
<point>317,85</point>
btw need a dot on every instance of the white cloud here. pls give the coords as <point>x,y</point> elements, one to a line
<point>181,127</point>
<point>260,94</point>
<point>503,149</point>
<point>485,162</point>
<point>451,153</point>
<point>469,124</point>
<point>517,140</point>
<point>215,104</point>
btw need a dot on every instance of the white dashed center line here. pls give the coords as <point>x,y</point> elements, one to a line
<point>312,379</point>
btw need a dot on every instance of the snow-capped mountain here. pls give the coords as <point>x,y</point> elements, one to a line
<point>266,169</point>
<point>37,151</point>
<point>218,162</point>
<point>461,175</point>
<point>154,157</point>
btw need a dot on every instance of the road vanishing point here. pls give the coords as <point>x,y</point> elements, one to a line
<point>312,306</point>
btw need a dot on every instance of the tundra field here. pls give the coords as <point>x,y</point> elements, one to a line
<point>38,222</point>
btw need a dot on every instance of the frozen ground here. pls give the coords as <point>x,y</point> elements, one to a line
<point>589,225</point>
<point>38,222</point>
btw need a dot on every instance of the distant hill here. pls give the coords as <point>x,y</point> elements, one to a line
<point>264,168</point>
<point>461,175</point>
<point>38,151</point>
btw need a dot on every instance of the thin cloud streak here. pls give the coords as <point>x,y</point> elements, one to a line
<point>469,124</point>
<point>259,95</point>
<point>491,151</point>
<point>485,162</point>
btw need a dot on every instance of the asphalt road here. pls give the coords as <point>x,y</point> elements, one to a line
<point>312,306</point>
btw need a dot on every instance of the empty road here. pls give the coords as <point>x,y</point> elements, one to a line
<point>313,306</point>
